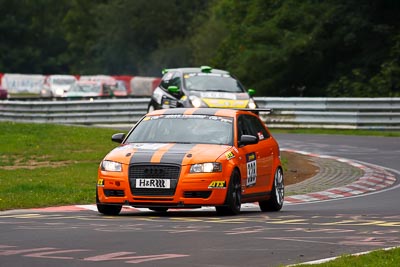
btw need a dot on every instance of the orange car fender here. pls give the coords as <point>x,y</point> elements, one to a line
<point>112,180</point>
<point>229,165</point>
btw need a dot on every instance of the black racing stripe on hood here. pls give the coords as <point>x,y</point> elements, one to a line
<point>142,156</point>
<point>177,153</point>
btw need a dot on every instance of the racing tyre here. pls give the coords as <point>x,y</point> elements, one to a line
<point>150,108</point>
<point>233,197</point>
<point>107,209</point>
<point>275,203</point>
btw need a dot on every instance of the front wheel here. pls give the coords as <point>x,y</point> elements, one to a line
<point>233,200</point>
<point>107,209</point>
<point>275,203</point>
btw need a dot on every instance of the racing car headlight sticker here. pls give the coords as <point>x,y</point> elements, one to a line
<point>196,101</point>
<point>158,95</point>
<point>252,104</point>
<point>59,91</point>
<point>206,167</point>
<point>111,166</point>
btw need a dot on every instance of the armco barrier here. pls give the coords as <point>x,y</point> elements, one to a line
<point>97,111</point>
<point>334,113</point>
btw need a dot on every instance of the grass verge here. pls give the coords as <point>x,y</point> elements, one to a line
<point>381,258</point>
<point>47,165</point>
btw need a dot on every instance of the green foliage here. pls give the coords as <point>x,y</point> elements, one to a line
<point>135,37</point>
<point>385,82</point>
<point>294,48</point>
<point>79,24</point>
<point>279,47</point>
<point>207,33</point>
<point>31,37</point>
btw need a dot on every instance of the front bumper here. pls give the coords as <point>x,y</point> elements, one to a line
<point>191,190</point>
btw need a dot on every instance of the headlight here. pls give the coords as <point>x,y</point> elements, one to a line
<point>206,167</point>
<point>158,95</point>
<point>252,104</point>
<point>196,101</point>
<point>59,91</point>
<point>111,166</point>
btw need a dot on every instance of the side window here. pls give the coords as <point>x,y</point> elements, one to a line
<point>243,126</point>
<point>171,79</point>
<point>258,128</point>
<point>252,126</point>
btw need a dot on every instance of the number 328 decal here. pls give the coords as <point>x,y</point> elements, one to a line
<point>251,169</point>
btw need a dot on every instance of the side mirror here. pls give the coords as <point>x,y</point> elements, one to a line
<point>248,140</point>
<point>251,92</point>
<point>173,89</point>
<point>118,137</point>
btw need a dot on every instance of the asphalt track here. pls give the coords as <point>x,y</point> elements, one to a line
<point>359,213</point>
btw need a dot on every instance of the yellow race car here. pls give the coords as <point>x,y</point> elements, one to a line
<point>202,87</point>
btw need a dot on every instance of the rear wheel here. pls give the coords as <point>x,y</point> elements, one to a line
<point>107,209</point>
<point>275,203</point>
<point>233,198</point>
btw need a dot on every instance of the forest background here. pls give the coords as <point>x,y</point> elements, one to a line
<point>331,48</point>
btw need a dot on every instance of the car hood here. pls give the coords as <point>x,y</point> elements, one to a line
<point>169,153</point>
<point>223,99</point>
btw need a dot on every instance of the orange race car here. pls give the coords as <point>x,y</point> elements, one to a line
<point>192,157</point>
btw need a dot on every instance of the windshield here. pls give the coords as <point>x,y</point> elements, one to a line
<point>195,129</point>
<point>120,86</point>
<point>212,82</point>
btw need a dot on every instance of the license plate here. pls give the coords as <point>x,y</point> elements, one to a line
<point>153,183</point>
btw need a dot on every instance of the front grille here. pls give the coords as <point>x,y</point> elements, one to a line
<point>153,171</point>
<point>197,194</point>
<point>113,193</point>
